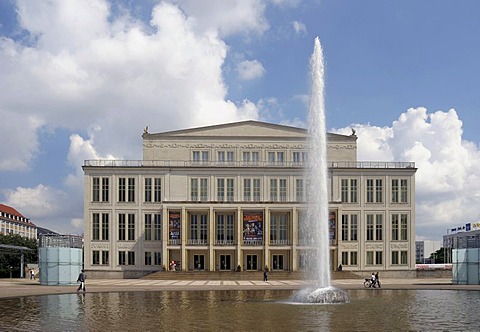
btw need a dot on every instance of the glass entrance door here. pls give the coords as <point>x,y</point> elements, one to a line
<point>277,261</point>
<point>225,263</point>
<point>252,263</point>
<point>199,262</point>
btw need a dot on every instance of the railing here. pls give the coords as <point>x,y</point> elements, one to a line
<point>175,242</point>
<point>279,242</point>
<point>196,242</point>
<point>236,164</point>
<point>224,242</point>
<point>252,242</point>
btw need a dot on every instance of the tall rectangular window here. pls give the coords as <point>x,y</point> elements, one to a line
<point>198,189</point>
<point>157,226</point>
<point>370,228</point>
<point>100,189</point>
<point>126,189</point>
<point>121,258</point>
<point>378,257</point>
<point>105,257</point>
<point>395,226</point>
<point>282,189</point>
<point>131,189</point>
<point>157,258</point>
<point>403,257</point>
<point>279,229</point>
<point>198,229</point>
<point>95,257</point>
<point>122,227</point>
<point>403,227</point>
<point>395,258</point>
<point>256,190</point>
<point>403,191</point>
<point>379,190</point>
<point>148,189</point>
<point>96,189</point>
<point>344,227</point>
<point>96,226</point>
<point>273,190</point>
<point>131,258</point>
<point>122,189</point>
<point>349,190</point>
<point>105,226</point>
<point>379,227</point>
<point>299,190</point>
<point>374,191</point>
<point>353,258</point>
<point>399,191</point>
<point>349,227</point>
<point>247,190</point>
<point>369,257</point>
<point>353,227</point>
<point>148,258</point>
<point>131,227</point>
<point>225,189</point>
<point>157,190</point>
<point>148,227</point>
<point>345,258</point>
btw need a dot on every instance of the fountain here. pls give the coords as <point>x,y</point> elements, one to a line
<point>317,214</point>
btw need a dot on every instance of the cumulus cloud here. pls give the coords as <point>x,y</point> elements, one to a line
<point>78,65</point>
<point>249,70</point>
<point>447,191</point>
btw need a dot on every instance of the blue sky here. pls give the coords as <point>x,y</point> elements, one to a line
<point>81,79</point>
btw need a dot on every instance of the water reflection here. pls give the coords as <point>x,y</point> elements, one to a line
<point>406,310</point>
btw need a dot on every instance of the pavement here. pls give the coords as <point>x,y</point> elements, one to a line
<point>27,287</point>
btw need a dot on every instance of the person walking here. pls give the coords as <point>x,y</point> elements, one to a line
<point>81,279</point>
<point>374,280</point>
<point>377,280</point>
<point>265,275</point>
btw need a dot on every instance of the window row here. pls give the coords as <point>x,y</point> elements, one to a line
<point>374,227</point>
<point>373,258</point>
<point>197,232</point>
<point>248,157</point>
<point>102,257</point>
<point>374,191</point>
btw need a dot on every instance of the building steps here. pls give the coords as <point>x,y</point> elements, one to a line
<point>244,275</point>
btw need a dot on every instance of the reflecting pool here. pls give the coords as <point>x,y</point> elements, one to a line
<point>269,310</point>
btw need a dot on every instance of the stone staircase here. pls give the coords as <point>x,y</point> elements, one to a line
<point>244,275</point>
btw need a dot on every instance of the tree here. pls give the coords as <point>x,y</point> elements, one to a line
<point>442,255</point>
<point>10,258</point>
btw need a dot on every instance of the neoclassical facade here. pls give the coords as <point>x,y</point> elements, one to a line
<point>232,196</point>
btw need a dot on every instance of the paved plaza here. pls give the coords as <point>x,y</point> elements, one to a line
<point>26,287</point>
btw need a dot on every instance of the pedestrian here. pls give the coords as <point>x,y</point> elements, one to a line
<point>377,280</point>
<point>373,280</point>
<point>265,275</point>
<point>32,274</point>
<point>81,279</point>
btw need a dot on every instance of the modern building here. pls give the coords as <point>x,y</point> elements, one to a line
<point>232,196</point>
<point>424,249</point>
<point>464,243</point>
<point>13,222</point>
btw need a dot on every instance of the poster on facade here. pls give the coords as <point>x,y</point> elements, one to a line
<point>174,225</point>
<point>253,226</point>
<point>332,223</point>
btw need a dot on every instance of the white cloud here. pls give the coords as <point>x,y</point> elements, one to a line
<point>226,17</point>
<point>286,3</point>
<point>81,67</point>
<point>447,179</point>
<point>249,70</point>
<point>299,27</point>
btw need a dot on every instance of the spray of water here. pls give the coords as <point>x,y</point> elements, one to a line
<point>317,214</point>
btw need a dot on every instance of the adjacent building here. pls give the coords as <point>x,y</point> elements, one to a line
<point>424,249</point>
<point>233,197</point>
<point>13,222</point>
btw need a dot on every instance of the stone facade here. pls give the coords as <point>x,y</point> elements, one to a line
<point>232,196</point>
